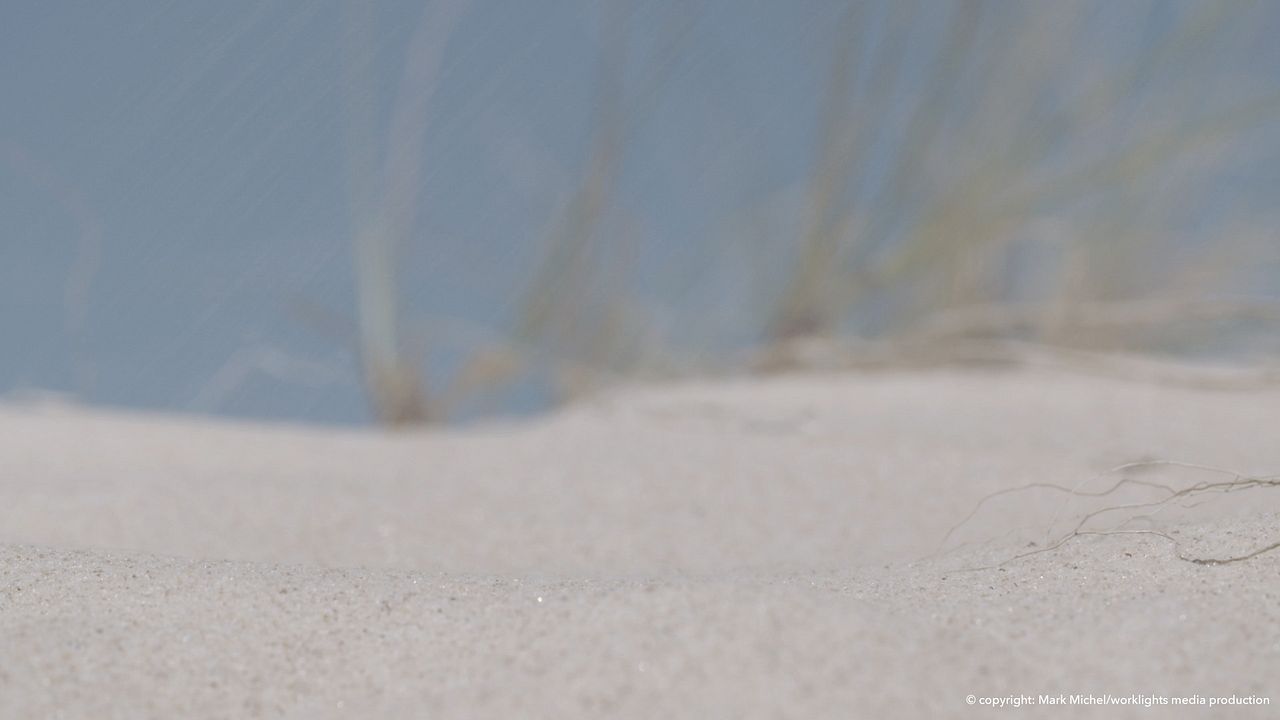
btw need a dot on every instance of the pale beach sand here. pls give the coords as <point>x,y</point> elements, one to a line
<point>743,548</point>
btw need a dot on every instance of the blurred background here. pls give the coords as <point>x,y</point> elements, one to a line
<point>344,211</point>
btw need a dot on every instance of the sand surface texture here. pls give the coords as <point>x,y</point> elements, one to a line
<point>732,549</point>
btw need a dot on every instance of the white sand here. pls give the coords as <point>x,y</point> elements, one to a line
<point>740,549</point>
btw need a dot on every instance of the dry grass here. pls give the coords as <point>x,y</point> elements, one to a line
<point>1166,495</point>
<point>1000,136</point>
<point>939,157</point>
<point>576,314</point>
<point>385,194</point>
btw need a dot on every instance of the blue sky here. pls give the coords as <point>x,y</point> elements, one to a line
<point>174,205</point>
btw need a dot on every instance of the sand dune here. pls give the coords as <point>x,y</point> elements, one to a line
<point>732,549</point>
